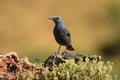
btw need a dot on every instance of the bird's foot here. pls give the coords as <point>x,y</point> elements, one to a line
<point>56,53</point>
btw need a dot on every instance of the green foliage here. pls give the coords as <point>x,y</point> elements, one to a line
<point>82,71</point>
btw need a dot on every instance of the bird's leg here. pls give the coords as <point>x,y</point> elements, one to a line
<point>59,48</point>
<point>56,54</point>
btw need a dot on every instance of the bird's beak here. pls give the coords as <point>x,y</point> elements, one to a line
<point>50,18</point>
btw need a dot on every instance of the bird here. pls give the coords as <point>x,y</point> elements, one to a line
<point>61,33</point>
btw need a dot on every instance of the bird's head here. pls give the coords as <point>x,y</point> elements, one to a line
<point>56,19</point>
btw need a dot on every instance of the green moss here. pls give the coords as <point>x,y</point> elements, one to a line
<point>82,70</point>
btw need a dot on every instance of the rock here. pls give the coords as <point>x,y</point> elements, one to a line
<point>9,63</point>
<point>56,58</point>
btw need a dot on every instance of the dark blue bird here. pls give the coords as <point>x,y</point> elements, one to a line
<point>61,33</point>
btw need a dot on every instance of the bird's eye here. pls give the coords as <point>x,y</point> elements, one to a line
<point>57,18</point>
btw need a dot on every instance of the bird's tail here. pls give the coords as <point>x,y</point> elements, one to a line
<point>69,47</point>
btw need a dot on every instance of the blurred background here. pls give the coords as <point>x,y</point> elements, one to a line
<point>94,27</point>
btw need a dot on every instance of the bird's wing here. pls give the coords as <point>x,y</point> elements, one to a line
<point>65,35</point>
<point>67,32</point>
